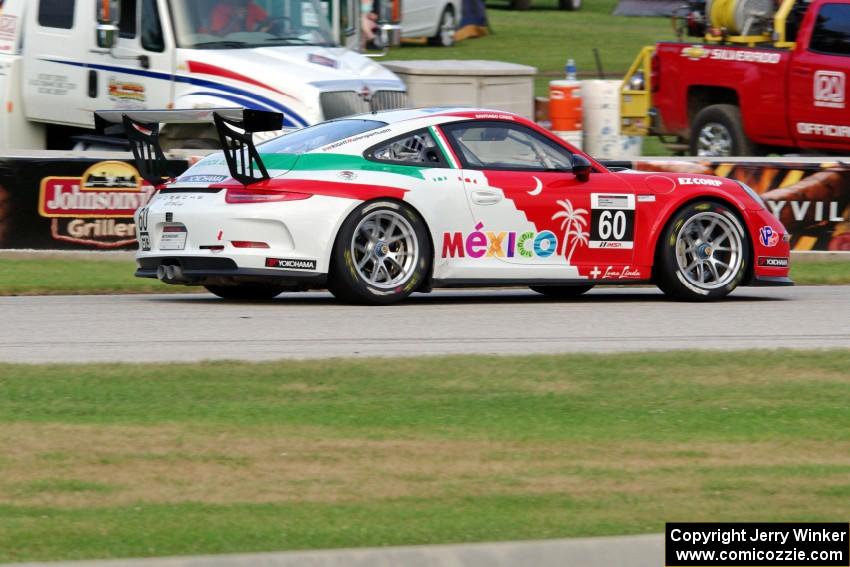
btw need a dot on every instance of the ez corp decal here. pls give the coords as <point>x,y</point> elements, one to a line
<point>700,181</point>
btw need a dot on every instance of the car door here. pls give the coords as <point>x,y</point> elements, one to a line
<point>820,69</point>
<point>532,209</point>
<point>56,83</point>
<point>419,18</point>
<point>136,73</point>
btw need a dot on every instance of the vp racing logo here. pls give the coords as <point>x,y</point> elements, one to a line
<point>768,237</point>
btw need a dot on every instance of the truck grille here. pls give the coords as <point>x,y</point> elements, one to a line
<point>345,103</point>
<point>388,100</point>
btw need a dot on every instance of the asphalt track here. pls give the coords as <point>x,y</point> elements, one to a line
<point>192,327</point>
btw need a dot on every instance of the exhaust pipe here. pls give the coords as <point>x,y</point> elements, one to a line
<point>170,274</point>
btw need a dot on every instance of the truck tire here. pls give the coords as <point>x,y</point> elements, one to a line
<point>717,131</point>
<point>520,4</point>
<point>569,4</point>
<point>445,36</point>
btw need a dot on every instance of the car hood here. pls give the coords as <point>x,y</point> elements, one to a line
<point>283,66</point>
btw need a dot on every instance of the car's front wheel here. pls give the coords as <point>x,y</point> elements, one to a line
<point>381,255</point>
<point>703,253</point>
<point>246,292</point>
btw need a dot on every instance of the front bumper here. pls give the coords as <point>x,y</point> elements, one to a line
<point>771,281</point>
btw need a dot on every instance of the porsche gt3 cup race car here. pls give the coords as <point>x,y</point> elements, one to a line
<point>374,207</point>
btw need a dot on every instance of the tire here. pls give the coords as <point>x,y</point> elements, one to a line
<point>381,255</point>
<point>698,241</point>
<point>717,131</point>
<point>520,4</point>
<point>246,292</point>
<point>570,5</point>
<point>445,36</point>
<point>561,291</point>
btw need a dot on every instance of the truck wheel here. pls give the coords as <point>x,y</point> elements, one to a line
<point>520,4</point>
<point>703,253</point>
<point>445,36</point>
<point>718,131</point>
<point>569,4</point>
<point>381,255</point>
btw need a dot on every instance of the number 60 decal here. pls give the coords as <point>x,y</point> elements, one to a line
<point>612,222</point>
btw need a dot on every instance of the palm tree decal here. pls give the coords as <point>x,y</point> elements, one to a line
<point>574,221</point>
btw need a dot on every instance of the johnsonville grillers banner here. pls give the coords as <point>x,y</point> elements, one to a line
<point>812,199</point>
<point>69,203</point>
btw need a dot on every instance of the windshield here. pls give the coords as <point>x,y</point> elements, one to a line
<point>234,24</point>
<point>309,139</point>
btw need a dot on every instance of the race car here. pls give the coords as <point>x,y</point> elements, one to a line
<point>375,207</point>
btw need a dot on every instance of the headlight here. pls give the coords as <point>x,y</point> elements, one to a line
<point>753,195</point>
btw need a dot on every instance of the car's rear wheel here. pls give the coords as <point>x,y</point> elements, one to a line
<point>381,255</point>
<point>703,253</point>
<point>445,36</point>
<point>246,292</point>
<point>561,291</point>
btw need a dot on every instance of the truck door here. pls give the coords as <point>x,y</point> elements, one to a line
<point>137,72</point>
<point>55,80</point>
<point>820,68</point>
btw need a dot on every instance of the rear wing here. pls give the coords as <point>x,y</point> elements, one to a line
<point>235,127</point>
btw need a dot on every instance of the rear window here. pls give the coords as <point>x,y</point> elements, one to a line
<point>309,139</point>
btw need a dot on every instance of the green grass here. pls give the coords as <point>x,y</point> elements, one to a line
<point>36,276</point>
<point>138,460</point>
<point>545,37</point>
<point>44,276</point>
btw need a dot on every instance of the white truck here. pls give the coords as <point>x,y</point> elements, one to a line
<point>62,59</point>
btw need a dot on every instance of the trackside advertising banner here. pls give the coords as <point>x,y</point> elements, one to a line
<point>757,544</point>
<point>811,199</point>
<point>82,203</point>
<point>70,203</point>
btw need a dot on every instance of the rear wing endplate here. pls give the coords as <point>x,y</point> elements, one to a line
<point>235,127</point>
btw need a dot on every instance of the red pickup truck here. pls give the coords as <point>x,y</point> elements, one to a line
<point>742,95</point>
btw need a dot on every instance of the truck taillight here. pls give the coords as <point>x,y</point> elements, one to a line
<point>655,73</point>
<point>237,196</point>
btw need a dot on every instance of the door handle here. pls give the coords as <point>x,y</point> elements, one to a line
<point>486,197</point>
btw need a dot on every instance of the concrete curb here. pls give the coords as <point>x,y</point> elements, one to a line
<point>622,551</point>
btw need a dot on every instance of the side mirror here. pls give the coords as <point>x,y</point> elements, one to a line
<point>107,15</point>
<point>107,34</point>
<point>581,167</point>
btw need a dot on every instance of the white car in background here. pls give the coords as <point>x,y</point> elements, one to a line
<point>434,19</point>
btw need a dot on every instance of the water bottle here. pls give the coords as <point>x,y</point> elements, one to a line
<point>570,69</point>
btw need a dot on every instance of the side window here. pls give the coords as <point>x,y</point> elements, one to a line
<point>56,13</point>
<point>502,145</point>
<point>127,25</point>
<point>152,38</point>
<point>831,34</point>
<point>417,148</point>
